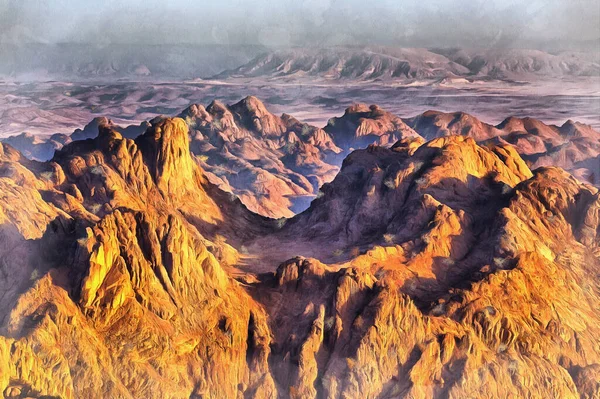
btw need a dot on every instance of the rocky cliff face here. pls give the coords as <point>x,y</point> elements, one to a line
<point>114,271</point>
<point>428,269</point>
<point>361,125</point>
<point>276,164</point>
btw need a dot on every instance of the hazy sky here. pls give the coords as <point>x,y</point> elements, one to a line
<point>484,23</point>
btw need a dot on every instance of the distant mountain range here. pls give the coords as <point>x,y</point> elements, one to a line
<point>385,63</point>
<point>374,63</point>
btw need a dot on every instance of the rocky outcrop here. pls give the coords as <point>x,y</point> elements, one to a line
<point>276,165</point>
<point>398,183</point>
<point>148,280</point>
<point>166,150</point>
<point>432,124</point>
<point>572,146</point>
<point>474,293</point>
<point>428,269</point>
<point>361,126</point>
<point>42,148</point>
<point>114,250</point>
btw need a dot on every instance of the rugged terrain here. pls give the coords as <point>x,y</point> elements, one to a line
<point>405,64</point>
<point>48,89</point>
<point>442,268</point>
<point>276,164</point>
<point>76,62</point>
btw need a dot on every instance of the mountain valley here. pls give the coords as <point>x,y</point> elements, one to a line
<point>441,268</point>
<point>181,219</point>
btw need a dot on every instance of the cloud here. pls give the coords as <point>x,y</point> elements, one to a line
<point>302,22</point>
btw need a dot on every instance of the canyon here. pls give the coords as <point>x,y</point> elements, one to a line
<point>253,221</point>
<point>436,260</point>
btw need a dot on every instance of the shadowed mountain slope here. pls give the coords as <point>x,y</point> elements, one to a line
<point>451,270</point>
<point>276,164</point>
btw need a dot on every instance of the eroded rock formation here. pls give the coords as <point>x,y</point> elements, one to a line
<point>276,164</point>
<point>428,269</point>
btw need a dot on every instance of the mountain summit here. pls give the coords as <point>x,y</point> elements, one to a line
<point>276,164</point>
<point>441,268</point>
<point>377,63</point>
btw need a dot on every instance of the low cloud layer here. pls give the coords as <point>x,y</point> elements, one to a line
<point>479,23</point>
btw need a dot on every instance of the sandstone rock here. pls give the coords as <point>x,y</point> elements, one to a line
<point>451,270</point>
<point>362,125</point>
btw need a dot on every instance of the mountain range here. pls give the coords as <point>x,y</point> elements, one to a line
<point>406,64</point>
<point>76,62</point>
<point>277,164</point>
<point>428,267</point>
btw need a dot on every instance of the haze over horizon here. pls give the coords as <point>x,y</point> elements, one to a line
<point>558,24</point>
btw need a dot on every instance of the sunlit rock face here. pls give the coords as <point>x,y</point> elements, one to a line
<point>439,268</point>
<point>277,164</point>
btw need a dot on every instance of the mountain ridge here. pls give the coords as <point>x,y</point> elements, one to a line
<point>406,64</point>
<point>276,164</point>
<point>75,62</point>
<point>473,283</point>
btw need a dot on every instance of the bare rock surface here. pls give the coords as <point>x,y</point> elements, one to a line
<point>441,268</point>
<point>276,164</point>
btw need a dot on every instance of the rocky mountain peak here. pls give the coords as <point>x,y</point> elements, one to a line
<point>91,129</point>
<point>362,125</point>
<point>217,107</point>
<point>297,157</point>
<point>132,276</point>
<point>166,151</point>
<point>251,105</point>
<point>195,111</point>
<point>253,115</point>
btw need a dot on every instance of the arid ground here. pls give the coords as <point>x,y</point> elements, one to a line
<point>59,107</point>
